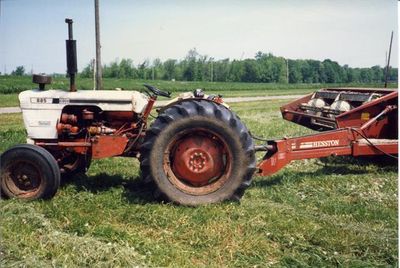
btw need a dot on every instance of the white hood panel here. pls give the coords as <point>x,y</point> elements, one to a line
<point>42,109</point>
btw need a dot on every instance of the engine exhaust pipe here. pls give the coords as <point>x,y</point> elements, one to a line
<point>72,68</point>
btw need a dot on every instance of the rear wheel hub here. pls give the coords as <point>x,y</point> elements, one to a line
<point>198,159</point>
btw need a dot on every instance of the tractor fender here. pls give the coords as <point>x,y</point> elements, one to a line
<point>189,96</point>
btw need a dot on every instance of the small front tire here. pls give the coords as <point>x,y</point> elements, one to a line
<point>29,172</point>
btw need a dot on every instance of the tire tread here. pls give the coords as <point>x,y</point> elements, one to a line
<point>207,109</point>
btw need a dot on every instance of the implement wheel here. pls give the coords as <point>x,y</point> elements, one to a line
<point>198,152</point>
<point>29,172</point>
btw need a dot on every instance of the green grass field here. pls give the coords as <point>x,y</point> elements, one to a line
<point>11,85</point>
<point>310,214</point>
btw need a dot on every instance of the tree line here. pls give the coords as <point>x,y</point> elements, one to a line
<point>264,67</point>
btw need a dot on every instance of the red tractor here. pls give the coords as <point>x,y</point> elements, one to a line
<point>196,151</point>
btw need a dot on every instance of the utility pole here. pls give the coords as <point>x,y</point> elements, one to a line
<point>388,61</point>
<point>211,69</point>
<point>287,70</point>
<point>99,84</point>
<point>385,58</point>
<point>93,66</point>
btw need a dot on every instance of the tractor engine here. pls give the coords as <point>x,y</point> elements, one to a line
<point>92,133</point>
<point>81,123</point>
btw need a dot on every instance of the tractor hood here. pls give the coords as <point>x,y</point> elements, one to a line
<point>107,100</point>
<point>41,110</point>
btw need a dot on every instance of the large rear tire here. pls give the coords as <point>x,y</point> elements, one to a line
<point>198,152</point>
<point>29,172</point>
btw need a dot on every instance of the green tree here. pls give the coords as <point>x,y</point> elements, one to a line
<point>278,70</point>
<point>19,71</point>
<point>114,69</point>
<point>377,73</point>
<point>157,70</point>
<point>237,71</point>
<point>221,70</point>
<point>332,71</point>
<point>126,69</point>
<point>251,72</point>
<point>365,75</point>
<point>87,71</point>
<point>203,69</point>
<point>316,71</point>
<point>295,75</point>
<point>265,63</point>
<point>393,74</point>
<point>142,72</point>
<point>170,69</point>
<point>190,71</point>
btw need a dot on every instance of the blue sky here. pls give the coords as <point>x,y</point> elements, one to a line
<point>356,33</point>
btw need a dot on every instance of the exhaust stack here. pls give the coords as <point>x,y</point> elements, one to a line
<point>72,68</point>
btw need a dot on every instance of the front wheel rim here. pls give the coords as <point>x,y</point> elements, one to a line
<point>22,178</point>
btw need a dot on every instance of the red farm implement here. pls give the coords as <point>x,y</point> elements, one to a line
<point>352,121</point>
